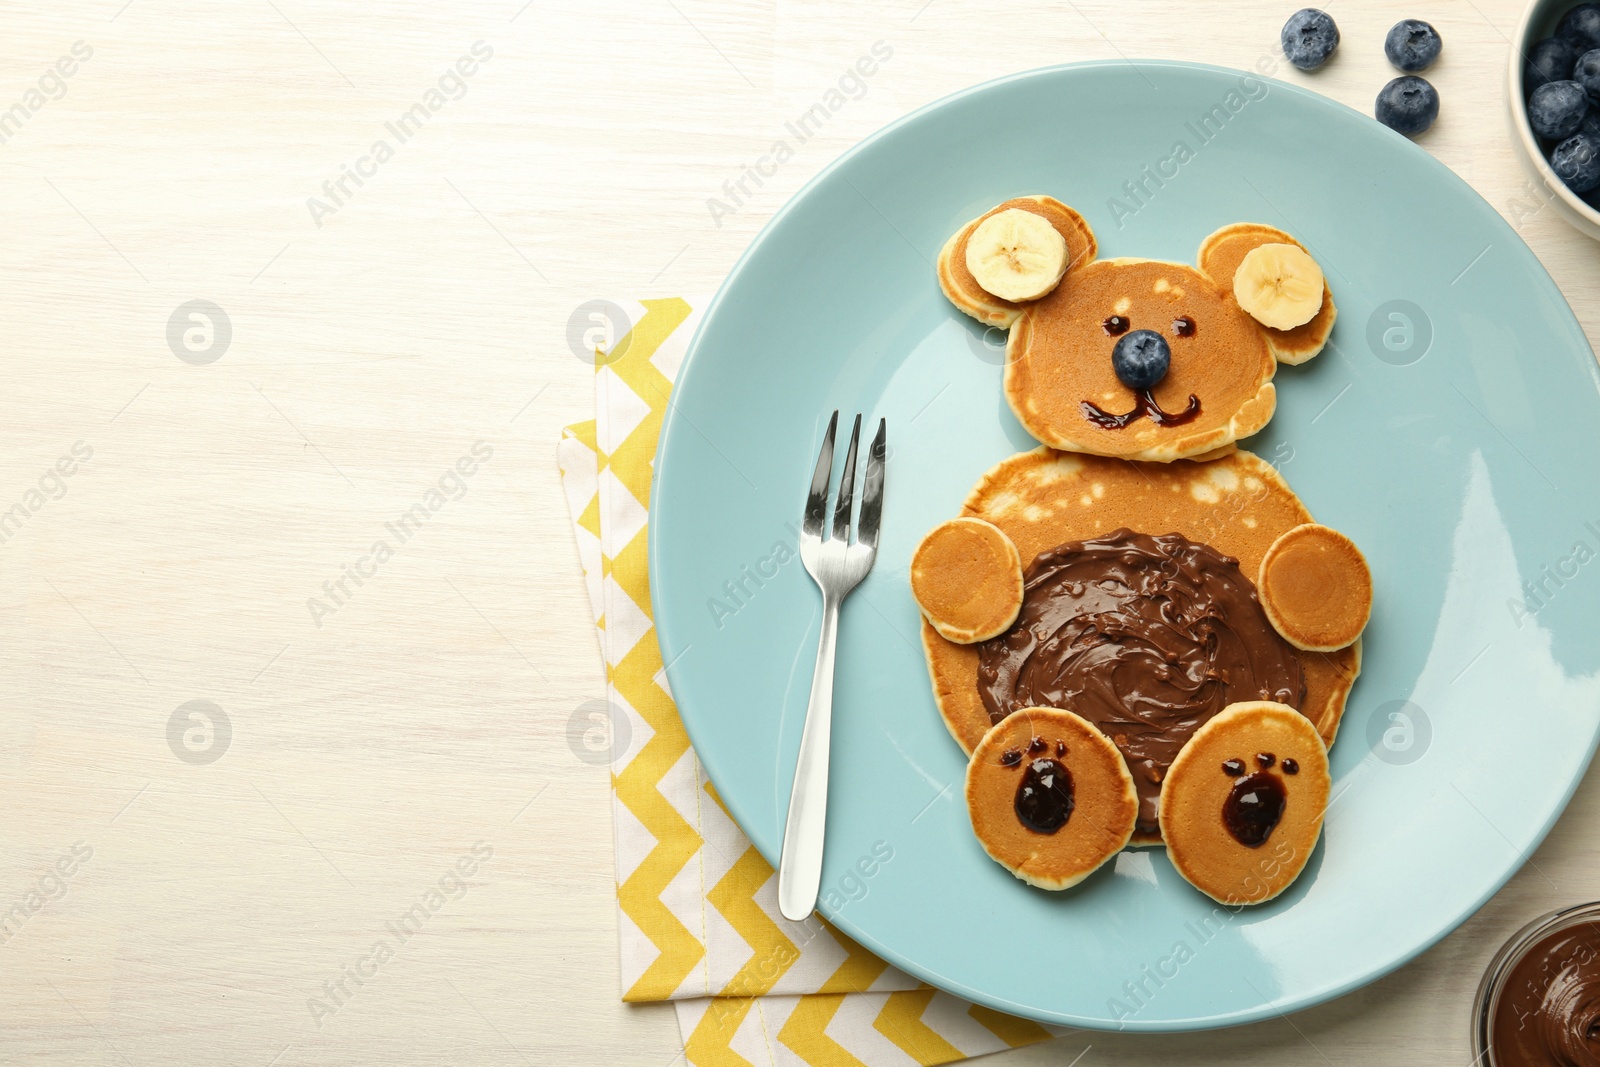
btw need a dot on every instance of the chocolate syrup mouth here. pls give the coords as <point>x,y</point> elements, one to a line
<point>1146,406</point>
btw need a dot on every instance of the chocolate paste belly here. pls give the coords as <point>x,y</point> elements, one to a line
<point>1145,636</point>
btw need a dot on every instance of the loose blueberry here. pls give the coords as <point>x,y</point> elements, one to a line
<point>1309,38</point>
<point>1412,45</point>
<point>1550,60</point>
<point>1586,72</point>
<point>1141,359</point>
<point>1580,27</point>
<point>1409,104</point>
<point>1576,162</point>
<point>1556,110</point>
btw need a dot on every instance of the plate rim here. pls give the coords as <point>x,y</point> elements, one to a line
<point>670,429</point>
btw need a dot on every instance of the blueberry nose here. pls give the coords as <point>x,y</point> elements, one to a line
<point>1141,359</point>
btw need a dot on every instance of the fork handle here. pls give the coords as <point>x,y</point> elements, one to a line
<point>800,867</point>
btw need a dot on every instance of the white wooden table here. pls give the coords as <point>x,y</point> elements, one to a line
<point>380,730</point>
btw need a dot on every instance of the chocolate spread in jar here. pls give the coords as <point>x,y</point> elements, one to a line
<point>1549,1006</point>
<point>1145,636</point>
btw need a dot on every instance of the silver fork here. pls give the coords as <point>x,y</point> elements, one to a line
<point>837,566</point>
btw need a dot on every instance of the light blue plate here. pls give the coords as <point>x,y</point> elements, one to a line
<point>1452,428</point>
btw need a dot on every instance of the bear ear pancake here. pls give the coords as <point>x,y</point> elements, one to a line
<point>970,297</point>
<point>1220,256</point>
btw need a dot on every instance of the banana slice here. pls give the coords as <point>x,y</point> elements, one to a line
<point>1279,285</point>
<point>1016,255</point>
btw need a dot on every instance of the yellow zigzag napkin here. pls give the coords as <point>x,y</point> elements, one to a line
<point>698,911</point>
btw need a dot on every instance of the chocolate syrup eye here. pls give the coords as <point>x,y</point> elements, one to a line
<point>1183,326</point>
<point>1115,326</point>
<point>1011,757</point>
<point>1233,768</point>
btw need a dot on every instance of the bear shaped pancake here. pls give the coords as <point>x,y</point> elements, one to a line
<point>1168,578</point>
<point>1060,380</point>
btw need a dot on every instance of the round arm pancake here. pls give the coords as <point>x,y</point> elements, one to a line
<point>966,576</point>
<point>1316,588</point>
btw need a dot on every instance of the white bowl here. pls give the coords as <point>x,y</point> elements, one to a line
<point>1538,22</point>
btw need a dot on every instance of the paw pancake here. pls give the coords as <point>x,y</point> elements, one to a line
<point>1242,805</point>
<point>1050,797</point>
<point>967,578</point>
<point>1315,587</point>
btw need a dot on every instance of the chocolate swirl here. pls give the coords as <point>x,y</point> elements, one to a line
<point>1145,636</point>
<point>1549,1006</point>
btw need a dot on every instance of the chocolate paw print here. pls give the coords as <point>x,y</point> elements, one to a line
<point>1050,797</point>
<point>1242,804</point>
<point>1256,801</point>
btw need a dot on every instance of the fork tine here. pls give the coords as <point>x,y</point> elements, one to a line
<point>847,488</point>
<point>817,498</point>
<point>872,489</point>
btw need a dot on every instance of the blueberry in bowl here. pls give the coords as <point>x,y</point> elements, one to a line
<point>1551,60</point>
<point>1580,27</point>
<point>1576,162</point>
<point>1556,109</point>
<point>1586,72</point>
